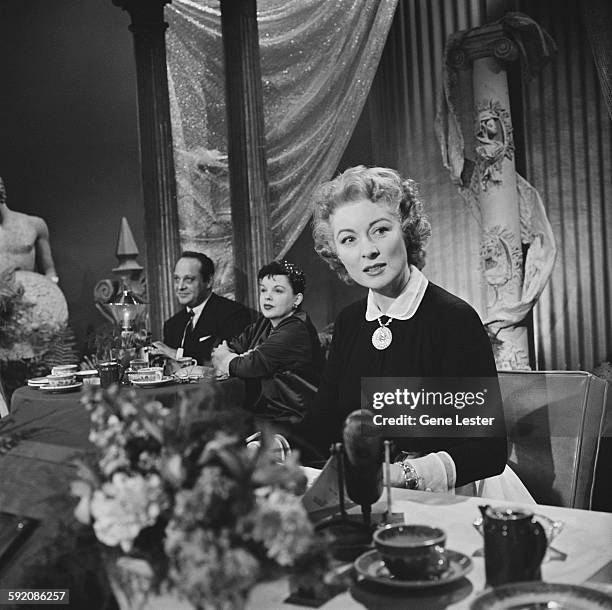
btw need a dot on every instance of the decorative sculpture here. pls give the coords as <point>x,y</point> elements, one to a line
<point>482,164</point>
<point>123,301</point>
<point>32,308</point>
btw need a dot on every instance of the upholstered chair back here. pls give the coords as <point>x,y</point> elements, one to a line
<point>554,421</point>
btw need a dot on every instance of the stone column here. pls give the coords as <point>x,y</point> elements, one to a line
<point>252,239</point>
<point>494,182</point>
<point>162,245</point>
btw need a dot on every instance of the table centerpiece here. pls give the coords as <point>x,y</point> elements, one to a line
<point>181,507</point>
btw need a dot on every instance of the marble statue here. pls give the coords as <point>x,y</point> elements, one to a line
<point>28,279</point>
<point>24,241</point>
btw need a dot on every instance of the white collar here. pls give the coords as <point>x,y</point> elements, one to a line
<point>198,309</point>
<point>406,304</point>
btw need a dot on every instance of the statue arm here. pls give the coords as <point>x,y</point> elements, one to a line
<point>44,258</point>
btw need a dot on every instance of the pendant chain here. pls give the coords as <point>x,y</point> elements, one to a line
<point>386,323</point>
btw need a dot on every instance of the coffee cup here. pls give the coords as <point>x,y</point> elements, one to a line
<point>60,380</point>
<point>89,377</point>
<point>138,363</point>
<point>186,361</point>
<point>150,373</point>
<point>412,552</point>
<point>64,368</point>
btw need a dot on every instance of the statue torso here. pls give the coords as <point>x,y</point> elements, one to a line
<point>18,234</point>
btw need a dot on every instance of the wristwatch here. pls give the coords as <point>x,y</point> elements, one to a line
<point>411,478</point>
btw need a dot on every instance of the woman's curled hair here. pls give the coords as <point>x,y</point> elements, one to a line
<point>381,186</point>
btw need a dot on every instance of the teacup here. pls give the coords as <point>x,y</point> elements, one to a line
<point>89,377</point>
<point>412,552</point>
<point>64,368</point>
<point>138,363</point>
<point>186,361</point>
<point>178,364</point>
<point>150,373</point>
<point>60,380</point>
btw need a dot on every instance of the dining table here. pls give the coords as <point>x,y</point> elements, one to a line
<point>62,419</point>
<point>35,477</point>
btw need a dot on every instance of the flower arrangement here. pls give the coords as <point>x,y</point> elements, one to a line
<point>177,490</point>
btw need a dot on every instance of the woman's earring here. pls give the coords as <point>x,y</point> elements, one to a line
<point>295,306</point>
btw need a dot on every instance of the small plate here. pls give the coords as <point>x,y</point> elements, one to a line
<point>60,389</point>
<point>542,595</point>
<point>153,384</point>
<point>37,382</point>
<point>371,566</point>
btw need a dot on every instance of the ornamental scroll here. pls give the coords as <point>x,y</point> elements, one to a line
<point>509,210</point>
<point>318,59</point>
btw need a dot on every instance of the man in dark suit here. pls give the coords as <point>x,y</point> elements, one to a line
<point>206,319</point>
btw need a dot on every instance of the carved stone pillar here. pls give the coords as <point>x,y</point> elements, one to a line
<point>246,146</point>
<point>486,49</point>
<point>162,245</point>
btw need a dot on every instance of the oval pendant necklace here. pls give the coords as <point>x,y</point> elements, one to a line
<point>382,336</point>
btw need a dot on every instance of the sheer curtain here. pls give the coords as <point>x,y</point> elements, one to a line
<point>318,59</point>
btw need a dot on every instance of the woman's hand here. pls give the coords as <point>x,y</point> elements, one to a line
<point>221,357</point>
<point>219,354</point>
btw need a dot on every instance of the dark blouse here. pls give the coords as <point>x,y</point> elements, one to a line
<point>281,366</point>
<point>445,338</point>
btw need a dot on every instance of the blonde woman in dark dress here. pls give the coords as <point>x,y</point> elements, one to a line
<point>369,226</point>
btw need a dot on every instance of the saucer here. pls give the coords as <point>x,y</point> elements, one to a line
<point>538,594</point>
<point>371,566</point>
<point>153,384</point>
<point>60,389</point>
<point>36,382</point>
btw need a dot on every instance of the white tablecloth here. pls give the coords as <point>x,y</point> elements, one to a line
<point>586,538</point>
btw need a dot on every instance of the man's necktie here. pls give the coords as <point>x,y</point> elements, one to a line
<point>188,327</point>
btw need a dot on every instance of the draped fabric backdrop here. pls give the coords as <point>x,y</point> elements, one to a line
<point>568,141</point>
<point>568,151</point>
<point>318,59</point>
<point>495,191</point>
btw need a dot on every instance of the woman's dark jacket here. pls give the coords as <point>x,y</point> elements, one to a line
<point>281,366</point>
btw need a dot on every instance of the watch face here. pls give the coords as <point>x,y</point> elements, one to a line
<point>412,483</point>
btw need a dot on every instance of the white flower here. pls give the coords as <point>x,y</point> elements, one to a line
<point>282,525</point>
<point>124,506</point>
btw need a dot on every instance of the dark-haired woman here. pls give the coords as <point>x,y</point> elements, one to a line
<point>279,356</point>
